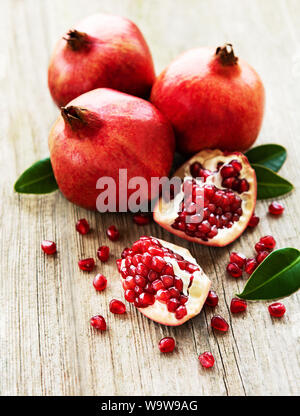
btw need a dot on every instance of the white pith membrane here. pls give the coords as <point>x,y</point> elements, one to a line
<point>197,291</point>
<point>166,212</point>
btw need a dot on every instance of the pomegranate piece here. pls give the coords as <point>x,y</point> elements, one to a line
<point>254,220</point>
<point>212,299</point>
<point>82,226</point>
<point>48,247</point>
<point>86,264</point>
<point>219,323</point>
<point>268,241</point>
<point>100,282</point>
<point>277,309</point>
<point>250,265</point>
<point>238,258</point>
<point>206,359</point>
<point>166,344</point>
<point>163,281</point>
<point>103,253</point>
<point>209,213</point>
<point>261,256</point>
<point>141,219</point>
<point>112,233</point>
<point>238,305</point>
<point>234,270</point>
<point>117,307</point>
<point>275,208</point>
<point>259,247</point>
<point>98,322</point>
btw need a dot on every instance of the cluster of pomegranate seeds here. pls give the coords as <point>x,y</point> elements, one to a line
<point>277,309</point>
<point>236,265</point>
<point>103,253</point>
<point>212,299</point>
<point>117,307</point>
<point>86,265</point>
<point>141,219</point>
<point>219,323</point>
<point>82,226</point>
<point>166,344</point>
<point>112,233</point>
<point>238,305</point>
<point>98,322</point>
<point>148,276</point>
<point>254,220</point>
<point>276,208</point>
<point>206,359</point>
<point>48,247</point>
<point>100,282</point>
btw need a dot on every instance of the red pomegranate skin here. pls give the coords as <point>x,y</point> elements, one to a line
<point>115,56</point>
<point>118,131</point>
<point>209,104</point>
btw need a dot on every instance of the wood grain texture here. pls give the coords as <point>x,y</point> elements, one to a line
<point>47,346</point>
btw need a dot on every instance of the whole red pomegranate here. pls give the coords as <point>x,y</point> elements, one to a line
<point>213,100</point>
<point>100,51</point>
<point>101,132</point>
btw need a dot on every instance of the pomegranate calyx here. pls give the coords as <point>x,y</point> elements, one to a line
<point>78,118</point>
<point>77,40</point>
<point>226,55</point>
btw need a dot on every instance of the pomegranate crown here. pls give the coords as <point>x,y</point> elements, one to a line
<point>226,55</point>
<point>76,40</point>
<point>81,118</point>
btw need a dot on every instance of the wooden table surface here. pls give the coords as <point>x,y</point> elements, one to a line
<point>47,345</point>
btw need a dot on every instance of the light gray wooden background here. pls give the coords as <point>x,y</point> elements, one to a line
<point>46,344</point>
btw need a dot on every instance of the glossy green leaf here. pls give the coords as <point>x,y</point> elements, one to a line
<point>276,277</point>
<point>272,156</point>
<point>269,183</point>
<point>38,179</point>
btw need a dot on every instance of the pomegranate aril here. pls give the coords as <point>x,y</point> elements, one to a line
<point>112,233</point>
<point>261,256</point>
<point>163,295</point>
<point>100,282</point>
<point>98,322</point>
<point>146,299</point>
<point>250,265</point>
<point>155,251</point>
<point>129,282</point>
<point>238,305</point>
<point>180,312</point>
<point>48,247</point>
<point>152,275</point>
<point>243,186</point>
<point>117,307</point>
<point>174,293</point>
<point>206,359</point>
<point>158,263</point>
<point>234,270</point>
<point>219,323</point>
<point>178,283</point>
<point>140,280</point>
<point>136,259</point>
<point>166,344</point>
<point>168,281</point>
<point>238,258</point>
<point>276,208</point>
<point>259,247</point>
<point>130,295</point>
<point>236,165</point>
<point>212,299</point>
<point>103,253</point>
<point>141,219</point>
<point>173,304</point>
<point>149,289</point>
<point>227,171</point>
<point>168,269</point>
<point>183,299</point>
<point>138,290</point>
<point>268,241</point>
<point>277,309</point>
<point>86,265</point>
<point>142,270</point>
<point>147,259</point>
<point>126,252</point>
<point>157,285</point>
<point>82,226</point>
<point>254,220</point>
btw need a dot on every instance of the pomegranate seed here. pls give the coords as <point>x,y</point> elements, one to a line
<point>103,253</point>
<point>254,220</point>
<point>100,282</point>
<point>82,226</point>
<point>234,270</point>
<point>98,322</point>
<point>277,309</point>
<point>146,299</point>
<point>173,304</point>
<point>183,299</point>
<point>238,305</point>
<point>163,295</point>
<point>140,281</point>
<point>158,263</point>
<point>259,247</point>
<point>126,252</point>
<point>48,247</point>
<point>86,264</point>
<point>236,165</point>
<point>250,266</point>
<point>180,312</point>
<point>130,295</point>
<point>166,344</point>
<point>261,256</point>
<point>206,359</point>
<point>130,282</point>
<point>276,208</point>
<point>157,285</point>
<point>219,323</point>
<point>212,299</point>
<point>141,219</point>
<point>227,171</point>
<point>238,259</point>
<point>112,233</point>
<point>178,283</point>
<point>243,186</point>
<point>168,281</point>
<point>268,241</point>
<point>116,306</point>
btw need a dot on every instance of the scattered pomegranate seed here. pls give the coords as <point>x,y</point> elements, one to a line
<point>238,305</point>
<point>234,270</point>
<point>141,219</point>
<point>48,247</point>
<point>259,247</point>
<point>206,359</point>
<point>212,299</point>
<point>261,256</point>
<point>250,266</point>
<point>103,253</point>
<point>98,322</point>
<point>268,241</point>
<point>219,323</point>
<point>112,233</point>
<point>254,220</point>
<point>100,282</point>
<point>82,226</point>
<point>276,208</point>
<point>166,344</point>
<point>87,264</point>
<point>277,309</point>
<point>116,306</point>
<point>238,258</point>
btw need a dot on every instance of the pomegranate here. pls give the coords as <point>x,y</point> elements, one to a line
<point>206,359</point>
<point>100,133</point>
<point>212,98</point>
<point>228,195</point>
<point>275,208</point>
<point>48,247</point>
<point>100,51</point>
<point>163,281</point>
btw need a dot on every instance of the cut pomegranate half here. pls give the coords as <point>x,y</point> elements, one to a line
<point>163,281</point>
<point>215,210</point>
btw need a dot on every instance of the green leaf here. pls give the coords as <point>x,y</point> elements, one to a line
<point>38,179</point>
<point>269,183</point>
<point>272,156</point>
<point>276,277</point>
